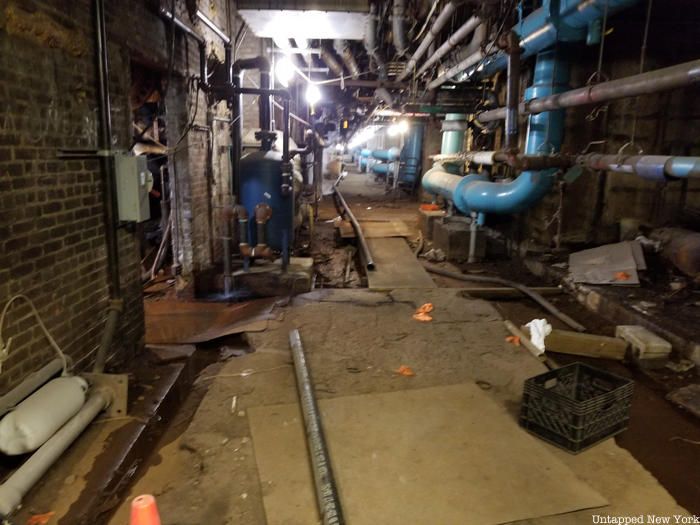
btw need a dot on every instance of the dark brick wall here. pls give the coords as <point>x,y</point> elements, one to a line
<point>52,245</point>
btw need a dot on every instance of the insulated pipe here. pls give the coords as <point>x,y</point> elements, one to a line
<point>651,167</point>
<point>327,497</point>
<point>331,62</point>
<point>370,42</point>
<point>463,32</point>
<point>342,47</point>
<point>398,27</point>
<point>25,477</point>
<point>429,38</point>
<point>673,77</point>
<point>453,129</point>
<point>512,92</point>
<point>30,383</point>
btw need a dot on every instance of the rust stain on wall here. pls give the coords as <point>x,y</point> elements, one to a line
<point>43,30</point>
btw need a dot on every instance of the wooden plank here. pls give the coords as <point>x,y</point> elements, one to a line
<point>396,266</point>
<point>589,345</point>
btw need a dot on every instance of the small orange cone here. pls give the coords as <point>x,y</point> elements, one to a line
<point>144,511</point>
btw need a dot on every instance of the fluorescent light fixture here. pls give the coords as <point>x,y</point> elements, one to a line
<point>284,70</point>
<point>281,42</point>
<point>313,94</point>
<point>302,43</point>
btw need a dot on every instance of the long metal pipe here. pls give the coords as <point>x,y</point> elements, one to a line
<point>429,38</point>
<point>215,29</point>
<point>512,92</point>
<point>651,167</point>
<point>327,496</point>
<point>398,26</point>
<point>330,60</point>
<point>109,189</point>
<point>369,262</point>
<point>25,477</point>
<point>673,77</point>
<point>201,42</point>
<point>463,32</point>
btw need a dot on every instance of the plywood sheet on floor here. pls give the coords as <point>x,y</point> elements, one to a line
<point>395,266</point>
<point>446,454</point>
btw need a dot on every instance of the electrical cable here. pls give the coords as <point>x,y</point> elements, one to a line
<point>5,348</point>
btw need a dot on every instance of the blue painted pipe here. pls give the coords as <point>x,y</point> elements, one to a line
<point>411,155</point>
<point>390,154</point>
<point>366,152</point>
<point>545,135</point>
<point>544,26</point>
<point>382,168</point>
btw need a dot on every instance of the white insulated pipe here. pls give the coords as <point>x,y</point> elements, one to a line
<point>463,32</point>
<point>435,29</point>
<point>25,477</point>
<point>29,385</point>
<point>38,417</point>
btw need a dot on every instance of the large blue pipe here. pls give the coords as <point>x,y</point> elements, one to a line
<point>390,154</point>
<point>545,135</point>
<point>411,155</point>
<point>544,26</point>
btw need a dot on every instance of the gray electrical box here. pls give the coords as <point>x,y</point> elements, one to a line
<point>134,181</point>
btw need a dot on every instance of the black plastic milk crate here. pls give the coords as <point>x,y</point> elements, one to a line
<point>576,406</point>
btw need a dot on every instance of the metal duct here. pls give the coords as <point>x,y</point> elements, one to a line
<point>429,39</point>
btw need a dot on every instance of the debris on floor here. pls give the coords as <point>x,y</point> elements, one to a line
<point>422,313</point>
<point>648,350</point>
<point>617,263</point>
<point>687,397</point>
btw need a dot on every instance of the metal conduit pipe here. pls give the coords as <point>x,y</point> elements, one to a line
<point>463,32</point>
<point>398,27</point>
<point>512,91</point>
<point>342,47</point>
<point>664,79</point>
<point>109,185</point>
<point>201,42</point>
<point>370,42</point>
<point>544,303</point>
<point>344,209</point>
<point>468,62</point>
<point>25,477</point>
<point>429,39</point>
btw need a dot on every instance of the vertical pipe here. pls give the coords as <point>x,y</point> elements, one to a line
<point>453,141</point>
<point>512,92</point>
<point>326,490</point>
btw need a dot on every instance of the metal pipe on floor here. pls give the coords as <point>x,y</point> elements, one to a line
<point>429,38</point>
<point>326,490</point>
<point>544,303</point>
<point>25,477</point>
<point>367,255</point>
<point>664,79</point>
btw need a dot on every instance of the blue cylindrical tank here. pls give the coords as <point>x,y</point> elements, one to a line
<point>411,155</point>
<point>260,181</point>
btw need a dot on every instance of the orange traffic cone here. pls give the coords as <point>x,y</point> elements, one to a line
<point>144,511</point>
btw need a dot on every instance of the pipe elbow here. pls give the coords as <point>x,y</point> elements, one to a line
<point>503,197</point>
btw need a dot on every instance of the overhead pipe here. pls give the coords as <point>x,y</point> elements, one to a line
<point>463,32</point>
<point>14,488</point>
<point>398,27</point>
<point>187,30</point>
<point>538,31</point>
<point>657,168</point>
<point>429,39</point>
<point>330,60</point>
<point>342,47</point>
<point>512,91</point>
<point>370,42</point>
<point>664,79</point>
<point>474,193</point>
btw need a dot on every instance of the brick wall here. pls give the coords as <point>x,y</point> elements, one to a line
<point>52,245</point>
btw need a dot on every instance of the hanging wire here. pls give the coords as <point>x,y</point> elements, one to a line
<point>597,76</point>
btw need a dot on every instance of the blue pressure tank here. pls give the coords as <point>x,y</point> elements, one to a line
<point>260,182</point>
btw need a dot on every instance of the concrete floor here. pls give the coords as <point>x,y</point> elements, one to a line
<point>355,340</point>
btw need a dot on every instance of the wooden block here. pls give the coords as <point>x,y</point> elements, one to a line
<point>589,345</point>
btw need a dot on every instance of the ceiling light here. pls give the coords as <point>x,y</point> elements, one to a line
<point>313,94</point>
<point>284,70</point>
